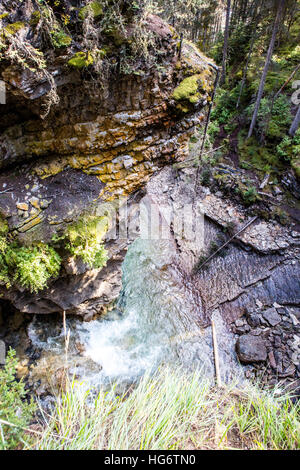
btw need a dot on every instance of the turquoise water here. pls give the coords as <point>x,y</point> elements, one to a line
<point>157,321</point>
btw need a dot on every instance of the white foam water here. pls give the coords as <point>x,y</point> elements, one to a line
<point>156,321</point>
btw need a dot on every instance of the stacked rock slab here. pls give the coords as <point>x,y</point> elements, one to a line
<point>99,142</point>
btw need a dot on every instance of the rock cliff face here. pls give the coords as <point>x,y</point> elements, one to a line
<point>71,139</point>
<point>253,285</point>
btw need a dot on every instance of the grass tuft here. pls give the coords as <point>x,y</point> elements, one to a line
<point>172,410</point>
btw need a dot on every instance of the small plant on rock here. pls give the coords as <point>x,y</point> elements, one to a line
<point>85,240</point>
<point>14,408</point>
<point>33,266</point>
<point>205,176</point>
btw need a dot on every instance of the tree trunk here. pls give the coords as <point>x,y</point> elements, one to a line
<point>295,124</point>
<point>266,67</point>
<point>275,98</point>
<point>256,16</point>
<point>233,17</point>
<point>225,47</point>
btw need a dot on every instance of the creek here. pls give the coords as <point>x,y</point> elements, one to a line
<point>155,321</point>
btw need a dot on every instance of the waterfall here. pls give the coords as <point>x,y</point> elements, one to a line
<point>156,321</point>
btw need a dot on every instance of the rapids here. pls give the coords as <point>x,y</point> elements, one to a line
<point>156,321</point>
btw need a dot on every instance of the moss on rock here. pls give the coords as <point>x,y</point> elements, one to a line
<point>13,28</point>
<point>95,7</point>
<point>81,60</point>
<point>188,89</point>
<point>60,39</point>
<point>35,18</point>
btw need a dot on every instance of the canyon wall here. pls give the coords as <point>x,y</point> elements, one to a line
<point>73,137</point>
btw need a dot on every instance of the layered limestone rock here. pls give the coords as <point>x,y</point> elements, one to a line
<point>71,139</point>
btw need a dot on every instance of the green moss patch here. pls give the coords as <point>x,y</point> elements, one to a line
<point>60,39</point>
<point>13,28</point>
<point>95,7</point>
<point>81,60</point>
<point>35,18</point>
<point>188,89</point>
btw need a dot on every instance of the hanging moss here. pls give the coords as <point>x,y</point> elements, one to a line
<point>96,8</point>
<point>81,60</point>
<point>29,266</point>
<point>84,239</point>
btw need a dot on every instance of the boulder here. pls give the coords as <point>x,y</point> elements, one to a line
<point>251,349</point>
<point>271,316</point>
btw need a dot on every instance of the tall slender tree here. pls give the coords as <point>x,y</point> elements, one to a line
<point>261,87</point>
<point>225,45</point>
<point>253,39</point>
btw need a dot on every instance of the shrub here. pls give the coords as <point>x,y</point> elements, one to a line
<point>283,148</point>
<point>205,176</point>
<point>289,148</point>
<point>14,408</point>
<point>33,266</point>
<point>280,118</point>
<point>213,129</point>
<point>225,105</point>
<point>248,193</point>
<point>84,239</point>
